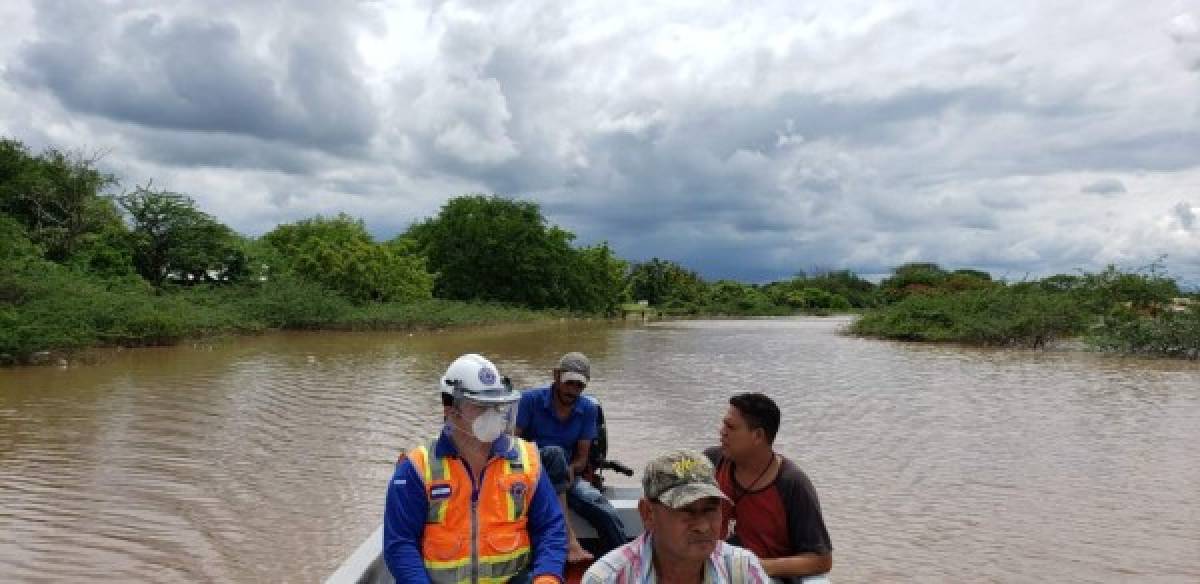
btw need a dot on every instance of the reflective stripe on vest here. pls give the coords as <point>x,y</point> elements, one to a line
<point>435,471</point>
<point>503,501</point>
<point>516,505</point>
<point>495,569</point>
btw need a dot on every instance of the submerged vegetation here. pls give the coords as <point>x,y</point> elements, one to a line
<point>83,266</point>
<point>1138,312</point>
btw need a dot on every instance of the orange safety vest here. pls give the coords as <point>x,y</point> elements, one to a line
<point>485,541</point>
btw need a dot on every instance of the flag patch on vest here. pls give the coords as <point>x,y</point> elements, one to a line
<point>439,492</point>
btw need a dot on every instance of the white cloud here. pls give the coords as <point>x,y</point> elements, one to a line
<point>1185,29</point>
<point>744,141</point>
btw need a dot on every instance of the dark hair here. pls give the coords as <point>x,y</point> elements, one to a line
<point>759,411</point>
<point>447,399</point>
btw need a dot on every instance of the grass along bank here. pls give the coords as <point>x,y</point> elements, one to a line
<point>53,311</point>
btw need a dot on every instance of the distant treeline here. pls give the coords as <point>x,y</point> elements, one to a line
<point>81,266</point>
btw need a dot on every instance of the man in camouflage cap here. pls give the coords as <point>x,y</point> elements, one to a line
<point>679,478</point>
<point>681,511</point>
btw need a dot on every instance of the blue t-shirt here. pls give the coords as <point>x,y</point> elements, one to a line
<point>536,419</point>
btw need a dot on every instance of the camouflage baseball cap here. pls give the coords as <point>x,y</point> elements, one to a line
<point>679,479</point>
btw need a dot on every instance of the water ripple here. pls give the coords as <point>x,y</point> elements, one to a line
<point>266,458</point>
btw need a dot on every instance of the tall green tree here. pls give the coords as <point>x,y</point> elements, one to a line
<point>912,278</point>
<point>599,280</point>
<point>340,254</point>
<point>496,249</point>
<point>171,238</point>
<point>56,195</point>
<point>666,283</point>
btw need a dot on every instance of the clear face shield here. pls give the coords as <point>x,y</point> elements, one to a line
<point>485,416</point>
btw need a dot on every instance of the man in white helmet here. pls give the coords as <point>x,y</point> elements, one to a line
<point>473,504</point>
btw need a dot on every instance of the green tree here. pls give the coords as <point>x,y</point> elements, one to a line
<point>17,254</point>
<point>857,292</point>
<point>731,297</point>
<point>666,283</point>
<point>912,278</point>
<point>598,282</point>
<point>171,238</point>
<point>1144,290</point>
<point>15,246</point>
<point>341,255</point>
<point>107,254</point>
<point>496,249</point>
<point>56,196</point>
<point>816,300</point>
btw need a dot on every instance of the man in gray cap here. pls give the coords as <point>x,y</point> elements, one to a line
<point>681,511</point>
<point>563,424</point>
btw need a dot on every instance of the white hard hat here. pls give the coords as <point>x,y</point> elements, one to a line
<point>477,379</point>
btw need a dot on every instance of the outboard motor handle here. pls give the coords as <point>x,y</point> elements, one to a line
<point>598,454</point>
<point>614,465</point>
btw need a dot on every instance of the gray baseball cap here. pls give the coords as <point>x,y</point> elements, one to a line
<point>575,367</point>
<point>679,479</point>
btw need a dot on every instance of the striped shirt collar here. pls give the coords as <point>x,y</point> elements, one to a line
<point>641,556</point>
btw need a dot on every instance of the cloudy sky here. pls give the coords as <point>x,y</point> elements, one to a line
<point>1024,138</point>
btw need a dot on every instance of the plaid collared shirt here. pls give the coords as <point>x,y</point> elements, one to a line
<point>633,563</point>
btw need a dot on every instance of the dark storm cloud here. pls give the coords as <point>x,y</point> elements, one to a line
<point>198,74</point>
<point>218,150</point>
<point>1186,216</point>
<point>730,171</point>
<point>1159,151</point>
<point>1106,186</point>
<point>726,170</point>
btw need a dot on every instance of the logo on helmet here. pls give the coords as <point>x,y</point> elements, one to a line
<point>487,376</point>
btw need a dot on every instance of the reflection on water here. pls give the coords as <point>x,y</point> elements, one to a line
<point>266,458</point>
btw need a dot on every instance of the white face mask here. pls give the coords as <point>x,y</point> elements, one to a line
<point>489,426</point>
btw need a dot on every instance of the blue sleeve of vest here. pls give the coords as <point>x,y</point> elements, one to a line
<point>404,523</point>
<point>547,530</point>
